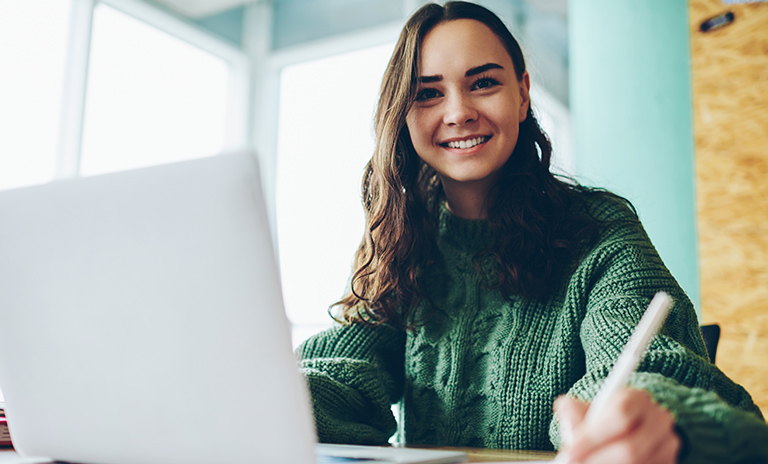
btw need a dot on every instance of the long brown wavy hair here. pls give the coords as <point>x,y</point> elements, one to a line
<point>538,238</point>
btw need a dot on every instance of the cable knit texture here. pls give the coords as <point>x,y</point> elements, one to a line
<point>483,371</point>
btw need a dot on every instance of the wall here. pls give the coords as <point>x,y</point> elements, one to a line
<point>227,24</point>
<point>730,84</point>
<point>296,22</point>
<point>631,110</point>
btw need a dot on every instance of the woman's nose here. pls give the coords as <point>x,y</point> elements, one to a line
<point>459,110</point>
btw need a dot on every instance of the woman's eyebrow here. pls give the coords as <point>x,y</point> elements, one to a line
<point>470,72</point>
<point>430,79</point>
<point>482,69</point>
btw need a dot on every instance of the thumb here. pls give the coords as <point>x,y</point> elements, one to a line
<point>570,414</point>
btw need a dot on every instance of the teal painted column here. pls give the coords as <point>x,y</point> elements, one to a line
<point>631,108</point>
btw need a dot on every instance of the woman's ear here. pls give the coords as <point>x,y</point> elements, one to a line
<point>525,97</point>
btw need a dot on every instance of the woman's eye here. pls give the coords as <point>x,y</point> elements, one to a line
<point>427,94</point>
<point>485,83</point>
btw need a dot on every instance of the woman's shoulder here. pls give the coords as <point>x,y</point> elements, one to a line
<point>604,206</point>
<point>351,340</point>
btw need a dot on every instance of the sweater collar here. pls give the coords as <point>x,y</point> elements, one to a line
<point>471,235</point>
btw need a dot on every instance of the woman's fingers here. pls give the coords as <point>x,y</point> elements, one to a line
<point>652,441</point>
<point>620,417</point>
<point>570,413</point>
<point>633,429</point>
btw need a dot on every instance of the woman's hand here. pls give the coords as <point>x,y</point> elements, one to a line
<point>633,430</point>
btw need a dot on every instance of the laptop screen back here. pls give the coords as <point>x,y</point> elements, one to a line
<point>141,320</point>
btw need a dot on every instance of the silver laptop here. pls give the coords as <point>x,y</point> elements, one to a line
<point>141,321</point>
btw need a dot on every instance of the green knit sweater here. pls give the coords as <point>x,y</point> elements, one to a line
<point>483,371</point>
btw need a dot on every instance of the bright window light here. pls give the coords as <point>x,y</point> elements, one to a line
<point>151,98</point>
<point>33,41</point>
<point>324,140</point>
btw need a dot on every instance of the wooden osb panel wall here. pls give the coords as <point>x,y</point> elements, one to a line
<point>730,94</point>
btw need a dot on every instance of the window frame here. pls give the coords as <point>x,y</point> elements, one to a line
<point>76,74</point>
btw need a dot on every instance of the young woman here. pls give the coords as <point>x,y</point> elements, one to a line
<point>486,289</point>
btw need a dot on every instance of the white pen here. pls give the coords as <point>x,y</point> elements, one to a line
<point>628,360</point>
<point>631,355</point>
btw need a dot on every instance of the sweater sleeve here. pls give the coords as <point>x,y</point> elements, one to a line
<point>354,374</point>
<point>716,418</point>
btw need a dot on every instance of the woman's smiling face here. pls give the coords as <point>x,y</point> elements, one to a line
<point>469,105</point>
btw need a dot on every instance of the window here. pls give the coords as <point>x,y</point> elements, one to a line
<point>325,137</point>
<point>157,89</point>
<point>152,98</point>
<point>33,66</point>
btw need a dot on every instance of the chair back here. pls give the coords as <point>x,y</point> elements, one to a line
<point>711,334</point>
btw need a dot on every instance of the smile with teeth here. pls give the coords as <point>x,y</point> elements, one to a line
<point>469,143</point>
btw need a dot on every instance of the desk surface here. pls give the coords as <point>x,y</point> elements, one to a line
<point>497,455</point>
<point>8,456</point>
